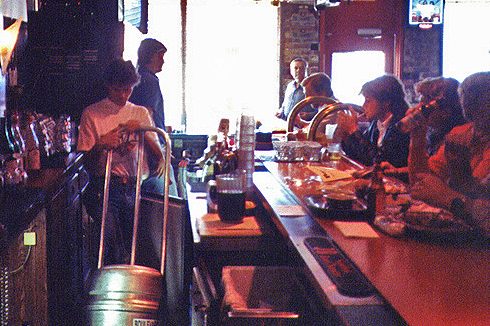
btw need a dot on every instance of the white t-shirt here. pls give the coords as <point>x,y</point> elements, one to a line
<point>100,118</point>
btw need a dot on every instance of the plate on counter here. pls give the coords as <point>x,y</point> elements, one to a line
<point>435,226</point>
<point>320,207</point>
<point>428,221</point>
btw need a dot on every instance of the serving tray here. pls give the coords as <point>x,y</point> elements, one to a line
<point>320,207</point>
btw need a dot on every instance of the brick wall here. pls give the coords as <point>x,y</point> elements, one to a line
<point>299,25</point>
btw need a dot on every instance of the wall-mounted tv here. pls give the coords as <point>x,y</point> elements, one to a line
<point>425,12</point>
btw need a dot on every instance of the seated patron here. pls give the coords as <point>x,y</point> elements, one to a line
<point>457,176</point>
<point>447,114</point>
<point>317,84</point>
<point>384,106</point>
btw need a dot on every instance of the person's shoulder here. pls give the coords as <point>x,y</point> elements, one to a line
<point>462,129</point>
<point>136,108</point>
<point>461,134</point>
<point>95,107</point>
<point>146,76</point>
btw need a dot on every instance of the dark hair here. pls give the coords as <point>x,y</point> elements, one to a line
<point>148,47</point>
<point>320,83</point>
<point>387,88</point>
<point>446,89</point>
<point>120,73</point>
<point>475,95</point>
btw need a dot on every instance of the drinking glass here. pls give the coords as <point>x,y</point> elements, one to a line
<point>334,150</point>
<point>230,196</point>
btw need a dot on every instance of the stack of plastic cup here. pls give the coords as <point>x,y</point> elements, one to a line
<point>246,146</point>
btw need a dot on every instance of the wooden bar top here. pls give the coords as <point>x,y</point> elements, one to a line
<point>427,282</point>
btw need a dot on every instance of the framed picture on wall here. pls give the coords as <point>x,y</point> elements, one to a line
<point>425,12</point>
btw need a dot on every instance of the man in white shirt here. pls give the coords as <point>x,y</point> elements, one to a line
<point>104,126</point>
<point>294,91</point>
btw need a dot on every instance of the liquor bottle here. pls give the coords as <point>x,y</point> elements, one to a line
<point>33,153</point>
<point>412,120</point>
<point>15,167</point>
<point>6,146</point>
<point>19,143</point>
<point>6,152</point>
<point>376,196</point>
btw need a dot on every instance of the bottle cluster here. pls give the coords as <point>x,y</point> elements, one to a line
<point>27,139</point>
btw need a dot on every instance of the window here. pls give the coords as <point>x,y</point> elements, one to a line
<point>231,63</point>
<point>466,49</point>
<point>350,70</point>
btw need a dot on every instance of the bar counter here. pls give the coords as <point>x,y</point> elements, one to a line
<point>426,281</point>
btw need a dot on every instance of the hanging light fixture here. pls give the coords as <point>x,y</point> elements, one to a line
<point>8,38</point>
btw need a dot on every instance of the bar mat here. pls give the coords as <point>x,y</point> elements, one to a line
<point>341,271</point>
<point>210,225</point>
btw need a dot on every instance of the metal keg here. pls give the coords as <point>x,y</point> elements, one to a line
<point>131,294</point>
<point>125,295</point>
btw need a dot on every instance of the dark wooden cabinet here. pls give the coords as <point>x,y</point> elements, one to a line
<point>67,250</point>
<point>43,284</point>
<point>24,277</point>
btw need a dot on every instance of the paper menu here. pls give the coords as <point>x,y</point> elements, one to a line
<point>329,174</point>
<point>356,229</point>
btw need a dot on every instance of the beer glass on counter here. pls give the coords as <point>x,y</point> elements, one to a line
<point>230,196</point>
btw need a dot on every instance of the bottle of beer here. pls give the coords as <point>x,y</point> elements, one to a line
<point>376,196</point>
<point>412,120</point>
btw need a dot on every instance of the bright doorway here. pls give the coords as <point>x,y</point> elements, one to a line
<point>231,64</point>
<point>350,70</point>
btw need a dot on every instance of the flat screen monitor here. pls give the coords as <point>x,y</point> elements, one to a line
<point>425,12</point>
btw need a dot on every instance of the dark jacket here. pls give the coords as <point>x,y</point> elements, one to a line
<point>362,147</point>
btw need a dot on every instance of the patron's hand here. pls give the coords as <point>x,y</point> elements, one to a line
<point>389,168</point>
<point>112,139</point>
<point>160,170</point>
<point>346,124</point>
<point>432,190</point>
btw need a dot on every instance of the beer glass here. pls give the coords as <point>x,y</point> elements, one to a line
<point>230,195</point>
